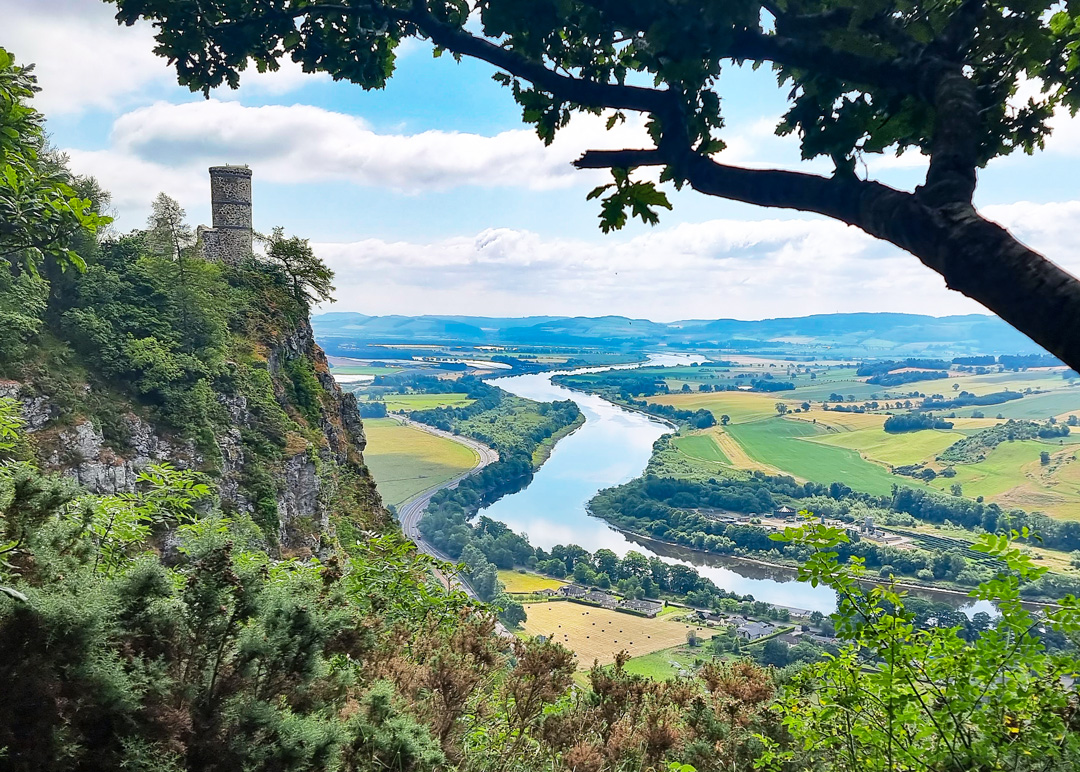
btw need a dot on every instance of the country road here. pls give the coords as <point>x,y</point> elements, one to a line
<point>410,512</point>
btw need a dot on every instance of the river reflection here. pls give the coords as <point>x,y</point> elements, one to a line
<point>611,448</point>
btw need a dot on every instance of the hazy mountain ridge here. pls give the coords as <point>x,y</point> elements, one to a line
<point>865,334</point>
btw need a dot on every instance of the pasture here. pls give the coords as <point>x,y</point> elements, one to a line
<point>1035,407</point>
<point>410,402</point>
<point>781,443</point>
<point>739,405</point>
<point>702,446</point>
<point>843,422</point>
<point>893,449</point>
<point>1012,476</point>
<point>667,663</point>
<point>597,634</point>
<point>526,583</point>
<point>405,461</point>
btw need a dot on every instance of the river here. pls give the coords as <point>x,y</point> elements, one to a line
<point>613,447</point>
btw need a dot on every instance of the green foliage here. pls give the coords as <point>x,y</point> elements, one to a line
<point>40,210</point>
<point>979,445</point>
<point>901,698</point>
<point>23,299</point>
<point>304,389</point>
<point>308,277</point>
<point>640,198</point>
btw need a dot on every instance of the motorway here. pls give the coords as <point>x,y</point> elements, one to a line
<point>411,511</point>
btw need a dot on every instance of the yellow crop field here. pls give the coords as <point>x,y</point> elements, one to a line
<point>739,405</point>
<point>405,461</point>
<point>516,582</point>
<point>597,634</point>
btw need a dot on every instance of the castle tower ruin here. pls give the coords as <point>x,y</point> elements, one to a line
<point>230,238</point>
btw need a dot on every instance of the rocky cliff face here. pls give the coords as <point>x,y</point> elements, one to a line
<point>297,492</point>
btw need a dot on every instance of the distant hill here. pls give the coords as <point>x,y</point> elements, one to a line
<point>862,334</point>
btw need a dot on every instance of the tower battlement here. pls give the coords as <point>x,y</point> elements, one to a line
<point>230,238</point>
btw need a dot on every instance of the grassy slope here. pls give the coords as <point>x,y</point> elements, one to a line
<point>667,663</point>
<point>1013,476</point>
<point>701,446</point>
<point>777,441</point>
<point>598,634</point>
<point>406,461</point>
<point>893,449</point>
<point>518,582</point>
<point>410,402</point>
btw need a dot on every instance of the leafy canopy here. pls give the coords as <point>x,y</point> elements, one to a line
<point>40,209</point>
<point>861,77</point>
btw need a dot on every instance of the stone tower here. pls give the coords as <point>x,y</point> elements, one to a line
<point>230,239</point>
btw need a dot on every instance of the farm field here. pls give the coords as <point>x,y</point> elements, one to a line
<point>364,370</point>
<point>703,447</point>
<point>780,442</point>
<point>405,461</point>
<point>597,634</point>
<point>892,449</point>
<point>409,402</point>
<point>666,663</point>
<point>1013,477</point>
<point>739,405</point>
<point>525,583</point>
<point>1037,407</point>
<point>844,422</point>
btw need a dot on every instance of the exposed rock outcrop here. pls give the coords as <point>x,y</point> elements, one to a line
<point>316,475</point>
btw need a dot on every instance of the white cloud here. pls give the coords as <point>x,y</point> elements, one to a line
<point>307,144</point>
<point>720,268</point>
<point>168,146</point>
<point>1048,228</point>
<point>85,60</point>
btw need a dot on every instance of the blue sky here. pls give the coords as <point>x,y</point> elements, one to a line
<point>431,197</point>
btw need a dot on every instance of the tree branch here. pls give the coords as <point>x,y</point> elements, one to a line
<point>975,256</point>
<point>585,92</point>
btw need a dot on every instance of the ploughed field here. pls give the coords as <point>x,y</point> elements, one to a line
<point>405,461</point>
<point>824,446</point>
<point>598,634</point>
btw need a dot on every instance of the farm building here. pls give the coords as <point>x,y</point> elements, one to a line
<point>572,591</point>
<point>601,598</point>
<point>710,616</point>
<point>751,631</point>
<point>649,608</point>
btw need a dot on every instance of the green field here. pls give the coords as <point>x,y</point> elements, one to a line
<point>410,402</point>
<point>738,405</point>
<point>405,461</point>
<point>780,443</point>
<point>893,449</point>
<point>667,663</point>
<point>1012,476</point>
<point>701,447</point>
<point>1036,407</point>
<point>515,581</point>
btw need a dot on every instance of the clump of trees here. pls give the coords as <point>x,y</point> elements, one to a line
<point>913,422</point>
<point>975,448</point>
